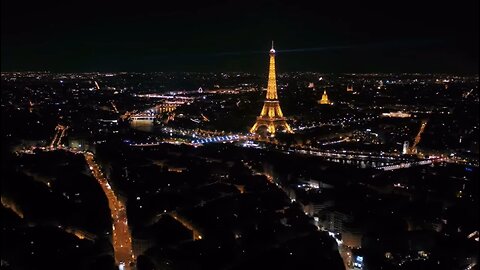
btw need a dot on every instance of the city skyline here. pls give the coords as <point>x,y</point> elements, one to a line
<point>177,136</point>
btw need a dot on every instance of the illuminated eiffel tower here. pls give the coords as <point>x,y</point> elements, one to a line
<point>271,115</point>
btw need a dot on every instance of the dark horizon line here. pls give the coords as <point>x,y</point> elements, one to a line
<point>471,74</point>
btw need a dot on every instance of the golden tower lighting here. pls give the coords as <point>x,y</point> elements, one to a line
<point>325,99</point>
<point>271,115</point>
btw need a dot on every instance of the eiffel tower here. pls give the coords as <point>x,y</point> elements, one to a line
<point>271,115</point>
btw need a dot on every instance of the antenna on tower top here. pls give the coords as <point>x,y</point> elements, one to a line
<point>272,50</point>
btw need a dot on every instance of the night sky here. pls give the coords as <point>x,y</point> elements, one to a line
<point>322,36</point>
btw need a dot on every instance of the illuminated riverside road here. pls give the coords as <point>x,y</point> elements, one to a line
<point>122,239</point>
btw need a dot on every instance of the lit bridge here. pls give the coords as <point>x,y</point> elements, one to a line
<point>380,161</point>
<point>412,164</point>
<point>218,139</point>
<point>201,137</point>
<point>151,113</point>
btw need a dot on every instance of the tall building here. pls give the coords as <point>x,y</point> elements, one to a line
<point>406,147</point>
<point>271,116</point>
<point>325,99</point>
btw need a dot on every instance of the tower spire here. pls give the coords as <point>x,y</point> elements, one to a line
<point>271,115</point>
